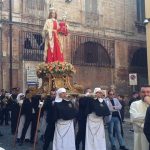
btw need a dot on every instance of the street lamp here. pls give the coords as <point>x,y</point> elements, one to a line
<point>146,21</point>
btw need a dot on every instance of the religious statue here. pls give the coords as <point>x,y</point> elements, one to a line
<point>52,30</point>
<point>63,30</point>
<point>55,73</point>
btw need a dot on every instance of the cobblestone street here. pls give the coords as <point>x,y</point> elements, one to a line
<point>7,140</point>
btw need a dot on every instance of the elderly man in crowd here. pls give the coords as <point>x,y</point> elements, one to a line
<point>115,121</point>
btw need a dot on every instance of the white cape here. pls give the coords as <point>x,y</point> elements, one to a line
<point>95,133</point>
<point>64,136</point>
<point>137,115</point>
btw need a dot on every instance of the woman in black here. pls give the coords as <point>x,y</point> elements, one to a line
<point>95,133</point>
<point>64,136</point>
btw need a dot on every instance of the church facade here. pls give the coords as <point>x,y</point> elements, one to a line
<point>105,44</point>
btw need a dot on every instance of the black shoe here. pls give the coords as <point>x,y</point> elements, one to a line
<point>113,147</point>
<point>123,148</point>
<point>20,143</point>
<point>17,140</point>
<point>32,141</point>
<point>27,140</point>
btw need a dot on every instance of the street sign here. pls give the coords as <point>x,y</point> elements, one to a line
<point>133,79</point>
<point>32,78</point>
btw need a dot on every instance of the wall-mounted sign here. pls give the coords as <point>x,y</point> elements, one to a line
<point>32,78</point>
<point>132,79</point>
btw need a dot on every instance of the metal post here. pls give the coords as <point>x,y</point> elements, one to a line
<point>133,88</point>
<point>10,43</point>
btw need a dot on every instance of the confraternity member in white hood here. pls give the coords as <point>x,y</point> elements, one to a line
<point>64,136</point>
<point>137,114</point>
<point>95,133</point>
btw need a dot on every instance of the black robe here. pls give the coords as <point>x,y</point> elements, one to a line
<point>30,110</point>
<point>49,133</point>
<point>27,106</point>
<point>81,118</point>
<point>83,104</point>
<point>99,108</point>
<point>65,110</point>
<point>14,108</point>
<point>147,125</point>
<point>48,102</point>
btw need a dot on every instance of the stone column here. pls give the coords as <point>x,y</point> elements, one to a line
<point>121,67</point>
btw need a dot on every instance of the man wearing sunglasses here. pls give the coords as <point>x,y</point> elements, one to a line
<point>115,121</point>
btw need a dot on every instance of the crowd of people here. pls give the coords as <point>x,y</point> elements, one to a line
<point>74,121</point>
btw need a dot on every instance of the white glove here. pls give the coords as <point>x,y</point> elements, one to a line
<point>87,94</point>
<point>20,102</point>
<point>142,125</point>
<point>40,104</point>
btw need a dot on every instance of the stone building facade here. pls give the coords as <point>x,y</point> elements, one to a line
<point>106,41</point>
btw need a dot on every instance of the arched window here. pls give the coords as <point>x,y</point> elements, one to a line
<point>91,53</point>
<point>138,65</point>
<point>139,58</point>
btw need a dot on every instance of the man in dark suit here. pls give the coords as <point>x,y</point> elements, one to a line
<point>4,112</point>
<point>49,108</point>
<point>14,108</point>
<point>30,110</point>
<point>81,119</point>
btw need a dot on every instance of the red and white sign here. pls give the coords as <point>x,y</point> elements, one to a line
<point>132,79</point>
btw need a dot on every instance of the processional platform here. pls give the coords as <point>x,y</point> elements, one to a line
<point>56,75</point>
